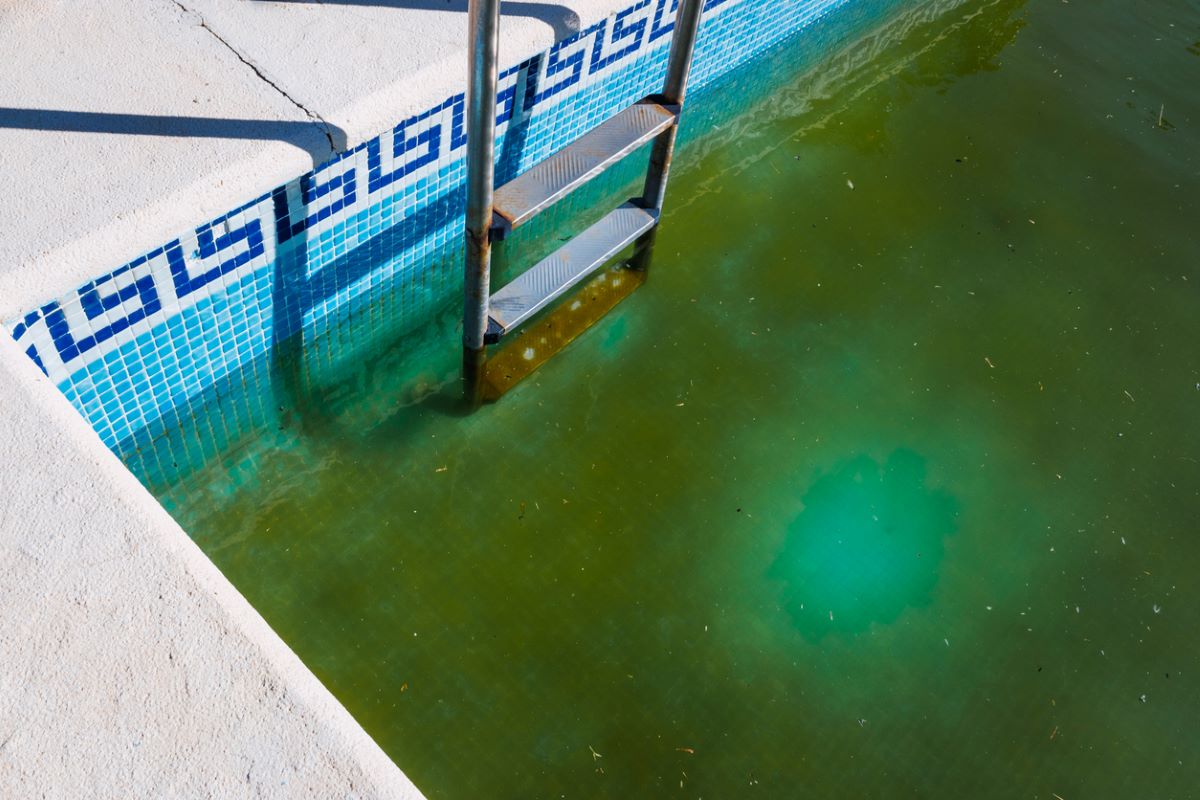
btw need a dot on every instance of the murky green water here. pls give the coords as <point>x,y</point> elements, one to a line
<point>884,485</point>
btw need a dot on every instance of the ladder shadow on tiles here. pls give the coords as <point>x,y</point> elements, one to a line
<point>306,135</point>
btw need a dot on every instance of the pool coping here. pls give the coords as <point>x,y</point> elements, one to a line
<point>132,666</point>
<point>169,112</point>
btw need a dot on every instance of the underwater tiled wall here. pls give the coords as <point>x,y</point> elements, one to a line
<point>132,347</point>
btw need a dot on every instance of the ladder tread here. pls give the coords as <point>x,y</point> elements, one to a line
<point>550,180</point>
<point>549,278</point>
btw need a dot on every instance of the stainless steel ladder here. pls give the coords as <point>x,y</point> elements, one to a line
<point>492,213</point>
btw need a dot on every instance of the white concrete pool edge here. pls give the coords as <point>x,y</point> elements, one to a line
<point>129,665</point>
<point>95,151</point>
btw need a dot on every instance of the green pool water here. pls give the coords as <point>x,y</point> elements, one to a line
<point>885,484</point>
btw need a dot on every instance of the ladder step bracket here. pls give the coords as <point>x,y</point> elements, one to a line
<point>551,180</point>
<point>551,277</point>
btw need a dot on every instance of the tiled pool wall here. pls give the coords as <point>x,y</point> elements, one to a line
<point>369,239</point>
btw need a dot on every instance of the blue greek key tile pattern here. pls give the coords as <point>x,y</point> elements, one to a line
<point>130,348</point>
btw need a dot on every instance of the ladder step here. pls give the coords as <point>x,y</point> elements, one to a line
<point>549,181</point>
<point>538,342</point>
<point>568,265</point>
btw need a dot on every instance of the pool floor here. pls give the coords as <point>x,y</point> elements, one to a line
<point>885,484</point>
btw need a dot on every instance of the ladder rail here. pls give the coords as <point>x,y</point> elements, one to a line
<point>679,66</point>
<point>483,33</point>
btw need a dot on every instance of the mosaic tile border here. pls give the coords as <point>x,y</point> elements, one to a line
<point>129,346</point>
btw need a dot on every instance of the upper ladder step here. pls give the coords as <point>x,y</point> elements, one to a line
<point>583,159</point>
<point>568,265</point>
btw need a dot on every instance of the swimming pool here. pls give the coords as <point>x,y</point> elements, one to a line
<point>882,484</point>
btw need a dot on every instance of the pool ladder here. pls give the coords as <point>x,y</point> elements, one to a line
<point>493,212</point>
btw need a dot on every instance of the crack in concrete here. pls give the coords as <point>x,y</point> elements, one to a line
<point>325,127</point>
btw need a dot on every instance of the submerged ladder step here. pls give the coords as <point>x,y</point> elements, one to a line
<point>562,173</point>
<point>571,263</point>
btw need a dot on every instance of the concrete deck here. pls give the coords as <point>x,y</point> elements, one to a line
<point>124,124</point>
<point>129,666</point>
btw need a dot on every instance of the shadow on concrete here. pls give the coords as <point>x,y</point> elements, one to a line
<point>562,20</point>
<point>307,135</point>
